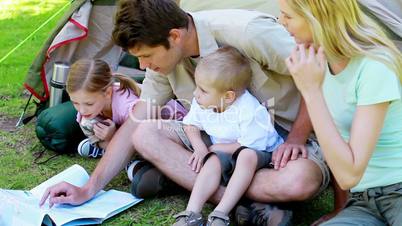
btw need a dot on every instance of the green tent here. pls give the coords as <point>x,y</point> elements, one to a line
<point>83,32</point>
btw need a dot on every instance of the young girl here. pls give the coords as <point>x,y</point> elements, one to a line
<point>104,101</point>
<point>354,102</point>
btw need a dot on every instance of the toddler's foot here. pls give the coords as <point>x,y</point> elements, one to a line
<point>188,218</point>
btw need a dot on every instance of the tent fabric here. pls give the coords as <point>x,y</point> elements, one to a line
<point>388,13</point>
<point>266,6</point>
<point>84,32</point>
<point>34,81</point>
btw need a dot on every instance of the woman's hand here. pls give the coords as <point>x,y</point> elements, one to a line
<point>307,68</point>
<point>105,130</point>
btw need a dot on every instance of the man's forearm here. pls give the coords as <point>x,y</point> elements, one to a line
<point>301,127</point>
<point>117,153</point>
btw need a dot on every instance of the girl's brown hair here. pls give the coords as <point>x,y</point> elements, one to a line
<point>95,76</point>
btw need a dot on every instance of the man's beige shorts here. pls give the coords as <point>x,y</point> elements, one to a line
<point>313,149</point>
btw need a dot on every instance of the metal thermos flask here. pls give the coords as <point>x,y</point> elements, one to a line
<point>58,83</point>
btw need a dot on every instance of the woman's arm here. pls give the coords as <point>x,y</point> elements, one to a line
<point>347,160</point>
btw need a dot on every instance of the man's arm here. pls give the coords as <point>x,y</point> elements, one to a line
<point>269,44</point>
<point>295,142</point>
<point>117,155</point>
<point>155,87</point>
<point>301,127</point>
<point>118,152</point>
<point>156,90</point>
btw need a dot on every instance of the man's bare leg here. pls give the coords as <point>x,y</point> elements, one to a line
<point>160,145</point>
<point>299,180</point>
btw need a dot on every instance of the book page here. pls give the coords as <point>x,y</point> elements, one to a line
<point>101,207</point>
<point>22,207</point>
<point>19,208</point>
<point>75,175</point>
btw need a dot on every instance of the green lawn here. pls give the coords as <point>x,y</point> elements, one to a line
<point>18,147</point>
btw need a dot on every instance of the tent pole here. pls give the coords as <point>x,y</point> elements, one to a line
<point>20,123</point>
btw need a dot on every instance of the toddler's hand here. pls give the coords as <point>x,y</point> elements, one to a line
<point>196,159</point>
<point>105,130</point>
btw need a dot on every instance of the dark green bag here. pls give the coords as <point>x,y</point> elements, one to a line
<point>57,129</point>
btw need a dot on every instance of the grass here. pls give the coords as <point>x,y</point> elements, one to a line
<point>18,147</point>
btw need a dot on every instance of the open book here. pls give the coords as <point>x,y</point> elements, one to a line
<point>22,207</point>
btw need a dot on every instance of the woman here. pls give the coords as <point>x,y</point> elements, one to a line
<point>349,74</point>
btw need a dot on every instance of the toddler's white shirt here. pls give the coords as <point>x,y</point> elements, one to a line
<point>246,121</point>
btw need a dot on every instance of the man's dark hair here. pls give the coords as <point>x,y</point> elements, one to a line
<point>147,22</point>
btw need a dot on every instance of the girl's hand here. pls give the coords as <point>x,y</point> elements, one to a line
<point>307,68</point>
<point>105,130</point>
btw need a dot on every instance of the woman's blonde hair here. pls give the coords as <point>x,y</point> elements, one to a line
<point>344,31</point>
<point>95,76</point>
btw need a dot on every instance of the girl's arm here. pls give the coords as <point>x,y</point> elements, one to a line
<point>347,160</point>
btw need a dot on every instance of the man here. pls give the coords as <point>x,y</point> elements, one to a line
<point>168,43</point>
